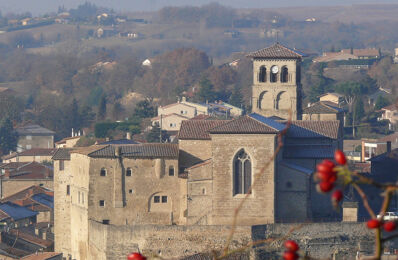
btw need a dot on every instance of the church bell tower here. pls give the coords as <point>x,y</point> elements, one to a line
<point>276,82</point>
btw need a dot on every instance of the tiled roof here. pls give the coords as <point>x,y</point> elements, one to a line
<point>62,141</point>
<point>30,238</point>
<point>172,114</point>
<point>198,129</point>
<point>244,125</point>
<point>314,129</point>
<point>392,107</point>
<point>268,121</point>
<point>62,154</point>
<point>44,199</point>
<point>41,256</point>
<point>34,130</point>
<point>202,117</point>
<point>16,212</point>
<point>322,107</point>
<point>120,141</point>
<point>176,104</point>
<point>308,151</point>
<point>32,152</point>
<point>389,138</point>
<point>149,150</point>
<point>297,167</point>
<point>25,193</point>
<point>199,164</point>
<point>27,170</point>
<point>332,94</point>
<point>277,51</point>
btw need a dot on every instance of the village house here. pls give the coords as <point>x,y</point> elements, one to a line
<point>390,113</point>
<point>67,142</point>
<point>33,155</point>
<point>34,136</point>
<point>17,176</point>
<point>349,54</point>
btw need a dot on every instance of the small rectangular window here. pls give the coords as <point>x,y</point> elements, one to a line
<point>61,165</point>
<point>164,199</point>
<point>171,171</point>
<point>67,189</point>
<point>102,203</point>
<point>128,172</point>
<point>156,199</point>
<point>103,172</point>
<point>131,191</point>
<point>105,221</point>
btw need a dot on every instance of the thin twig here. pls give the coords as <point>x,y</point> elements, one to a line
<point>364,200</point>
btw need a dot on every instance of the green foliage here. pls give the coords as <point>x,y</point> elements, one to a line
<point>236,98</point>
<point>8,136</point>
<point>85,141</point>
<point>103,129</point>
<point>95,96</point>
<point>359,111</point>
<point>153,136</point>
<point>206,92</point>
<point>102,108</point>
<point>11,107</point>
<point>144,109</point>
<point>381,102</point>
<point>350,89</point>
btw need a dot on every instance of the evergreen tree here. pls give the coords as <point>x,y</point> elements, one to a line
<point>206,91</point>
<point>102,108</point>
<point>144,109</point>
<point>154,135</point>
<point>381,102</point>
<point>117,110</point>
<point>236,98</point>
<point>359,112</point>
<point>8,136</point>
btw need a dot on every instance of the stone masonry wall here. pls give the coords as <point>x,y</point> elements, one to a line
<point>321,240</point>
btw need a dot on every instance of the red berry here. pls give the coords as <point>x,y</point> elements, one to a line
<point>337,195</point>
<point>325,186</point>
<point>290,255</point>
<point>389,226</point>
<point>135,256</point>
<point>373,223</point>
<point>339,156</point>
<point>291,245</point>
<point>326,166</point>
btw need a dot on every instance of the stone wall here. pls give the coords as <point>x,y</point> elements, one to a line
<point>320,240</point>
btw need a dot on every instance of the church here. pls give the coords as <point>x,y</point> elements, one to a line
<point>270,154</point>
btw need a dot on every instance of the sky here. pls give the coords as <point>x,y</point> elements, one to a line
<point>38,7</point>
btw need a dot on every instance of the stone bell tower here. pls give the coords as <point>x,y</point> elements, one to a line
<point>276,82</point>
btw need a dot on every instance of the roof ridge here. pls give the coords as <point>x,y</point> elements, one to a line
<point>325,105</point>
<point>263,122</point>
<point>99,149</point>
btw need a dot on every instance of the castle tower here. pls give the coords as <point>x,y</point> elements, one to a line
<point>276,82</point>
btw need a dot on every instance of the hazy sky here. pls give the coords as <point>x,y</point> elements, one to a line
<point>43,6</point>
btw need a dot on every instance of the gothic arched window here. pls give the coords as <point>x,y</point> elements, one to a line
<point>262,75</point>
<point>242,173</point>
<point>284,74</point>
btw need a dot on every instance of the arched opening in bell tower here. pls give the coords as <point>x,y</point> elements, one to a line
<point>284,74</point>
<point>262,74</point>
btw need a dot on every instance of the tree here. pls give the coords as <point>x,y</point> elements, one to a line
<point>117,110</point>
<point>206,92</point>
<point>8,136</point>
<point>156,135</point>
<point>102,108</point>
<point>11,107</point>
<point>144,109</point>
<point>381,102</point>
<point>350,90</point>
<point>236,98</point>
<point>359,112</point>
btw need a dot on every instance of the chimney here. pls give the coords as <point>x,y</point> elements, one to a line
<point>128,136</point>
<point>388,146</point>
<point>7,173</point>
<point>72,133</point>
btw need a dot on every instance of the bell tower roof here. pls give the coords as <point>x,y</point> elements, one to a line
<point>276,51</point>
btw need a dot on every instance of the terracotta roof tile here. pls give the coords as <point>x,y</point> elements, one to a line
<point>149,150</point>
<point>244,125</point>
<point>41,256</point>
<point>198,129</point>
<point>32,239</point>
<point>322,108</point>
<point>277,51</point>
<point>314,129</point>
<point>32,152</point>
<point>62,154</point>
<point>34,130</point>
<point>392,107</point>
<point>27,170</point>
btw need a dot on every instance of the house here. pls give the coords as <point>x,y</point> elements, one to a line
<point>335,98</point>
<point>390,113</point>
<point>35,198</point>
<point>7,92</point>
<point>15,215</point>
<point>32,155</point>
<point>17,176</point>
<point>169,122</point>
<point>324,111</point>
<point>349,54</point>
<point>374,147</point>
<point>34,136</point>
<point>67,142</point>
